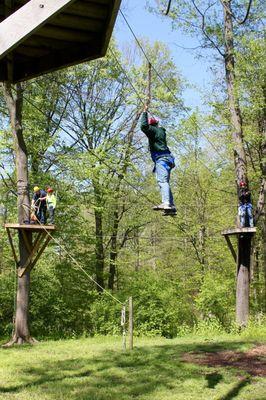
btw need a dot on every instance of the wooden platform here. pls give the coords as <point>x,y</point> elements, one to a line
<point>30,227</point>
<point>35,244</point>
<point>238,231</point>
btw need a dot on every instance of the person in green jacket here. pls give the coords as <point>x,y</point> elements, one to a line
<point>51,204</point>
<point>163,160</point>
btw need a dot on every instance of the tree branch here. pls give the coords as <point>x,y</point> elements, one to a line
<point>203,27</point>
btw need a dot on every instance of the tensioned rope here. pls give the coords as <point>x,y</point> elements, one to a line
<point>74,260</point>
<point>111,169</point>
<point>164,82</point>
<point>100,159</point>
<point>140,98</point>
<point>104,162</point>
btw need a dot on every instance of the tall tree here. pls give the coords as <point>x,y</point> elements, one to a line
<point>220,34</point>
<point>14,100</point>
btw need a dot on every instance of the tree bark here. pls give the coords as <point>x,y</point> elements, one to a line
<point>235,112</point>
<point>99,247</point>
<point>14,101</point>
<point>244,242</point>
<point>243,280</point>
<point>116,216</point>
<point>113,250</point>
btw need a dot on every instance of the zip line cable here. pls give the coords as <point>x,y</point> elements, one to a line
<point>141,100</point>
<point>164,82</point>
<point>95,155</point>
<point>111,169</point>
<point>100,159</point>
<point>136,91</point>
<point>73,259</point>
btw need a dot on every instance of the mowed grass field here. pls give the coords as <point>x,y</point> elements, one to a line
<point>98,369</point>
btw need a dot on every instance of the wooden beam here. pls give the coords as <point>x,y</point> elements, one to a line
<point>30,262</point>
<point>41,251</point>
<point>58,59</point>
<point>30,227</point>
<point>33,250</point>
<point>78,23</point>
<point>85,9</point>
<point>238,231</point>
<point>12,246</point>
<point>231,247</point>
<point>65,34</point>
<point>27,19</point>
<point>110,25</point>
<point>25,239</point>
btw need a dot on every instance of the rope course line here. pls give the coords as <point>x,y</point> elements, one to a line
<point>74,260</point>
<point>111,169</point>
<point>90,150</point>
<point>93,153</point>
<point>182,145</point>
<point>164,82</point>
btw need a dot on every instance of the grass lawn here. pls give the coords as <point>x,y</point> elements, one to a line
<point>98,369</point>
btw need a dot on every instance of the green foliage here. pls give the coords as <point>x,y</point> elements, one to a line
<point>178,271</point>
<point>7,293</point>
<point>215,300</point>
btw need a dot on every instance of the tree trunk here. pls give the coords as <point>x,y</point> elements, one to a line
<point>244,242</point>
<point>255,275</point>
<point>235,113</point>
<point>14,101</point>
<point>264,262</point>
<point>243,280</point>
<point>116,217</point>
<point>113,251</point>
<point>99,247</point>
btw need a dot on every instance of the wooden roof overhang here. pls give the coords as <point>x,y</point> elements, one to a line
<point>80,31</point>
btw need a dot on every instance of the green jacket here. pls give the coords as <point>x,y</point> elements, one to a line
<point>155,134</point>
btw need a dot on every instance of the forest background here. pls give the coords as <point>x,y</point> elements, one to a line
<point>81,128</point>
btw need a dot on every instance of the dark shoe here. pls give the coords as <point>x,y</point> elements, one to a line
<point>171,211</point>
<point>162,207</point>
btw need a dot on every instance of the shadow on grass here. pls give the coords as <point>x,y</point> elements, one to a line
<point>236,389</point>
<point>114,375</point>
<point>213,379</point>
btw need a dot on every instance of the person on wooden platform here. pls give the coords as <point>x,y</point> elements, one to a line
<point>163,160</point>
<point>245,206</point>
<point>51,204</point>
<point>40,205</point>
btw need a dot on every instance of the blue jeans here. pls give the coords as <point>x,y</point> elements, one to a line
<point>245,214</point>
<point>41,215</point>
<point>163,168</point>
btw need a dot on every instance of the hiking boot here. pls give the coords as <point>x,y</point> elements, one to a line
<point>171,211</point>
